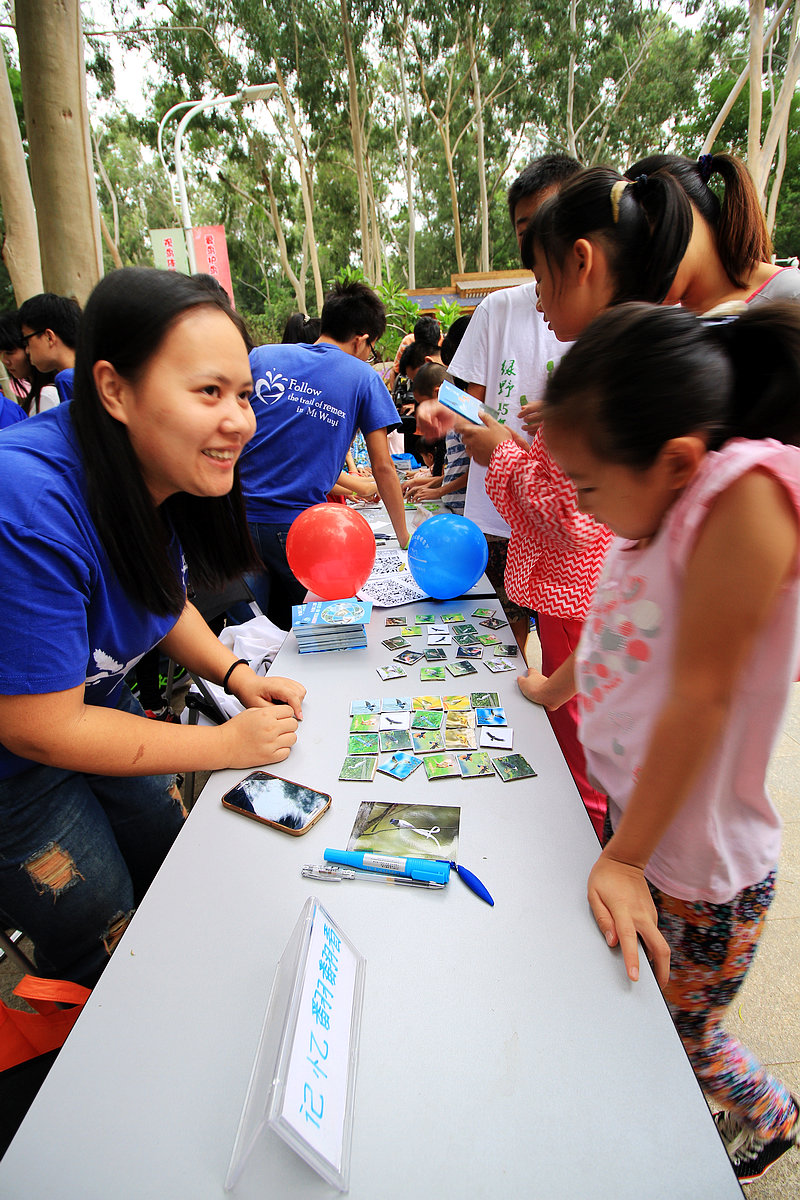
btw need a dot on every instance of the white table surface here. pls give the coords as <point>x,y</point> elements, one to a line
<point>503,1051</point>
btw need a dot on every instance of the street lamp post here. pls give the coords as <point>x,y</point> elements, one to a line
<point>245,95</point>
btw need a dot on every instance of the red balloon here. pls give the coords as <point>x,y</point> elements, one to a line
<point>330,548</point>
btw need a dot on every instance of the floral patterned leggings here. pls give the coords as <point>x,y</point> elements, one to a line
<point>712,947</point>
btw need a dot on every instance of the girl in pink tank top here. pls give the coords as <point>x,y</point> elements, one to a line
<point>682,437</point>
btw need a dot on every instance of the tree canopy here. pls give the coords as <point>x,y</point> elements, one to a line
<point>396,127</point>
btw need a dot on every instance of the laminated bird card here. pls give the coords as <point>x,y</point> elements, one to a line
<point>399,720</point>
<point>435,654</point>
<point>475,765</point>
<point>365,723</point>
<point>498,665</point>
<point>441,766</point>
<point>407,830</point>
<point>432,674</point>
<point>496,737</point>
<point>394,739</point>
<point>466,639</point>
<point>396,704</point>
<point>426,741</point>
<point>362,743</point>
<point>427,719</point>
<point>394,643</point>
<point>460,720</point>
<point>364,706</point>
<point>400,766</point>
<point>469,652</point>
<point>513,766</point>
<point>461,668</point>
<point>391,672</point>
<point>439,639</point>
<point>459,739</point>
<point>490,716</point>
<point>359,767</point>
<point>408,657</point>
<point>484,699</point>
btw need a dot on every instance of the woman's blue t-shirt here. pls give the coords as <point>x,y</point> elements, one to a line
<point>66,619</point>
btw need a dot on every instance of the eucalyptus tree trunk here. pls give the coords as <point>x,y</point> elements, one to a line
<point>357,136</point>
<point>21,242</point>
<point>62,175</point>
<point>477,103</point>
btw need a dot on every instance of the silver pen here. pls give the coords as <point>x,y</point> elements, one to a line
<point>338,874</point>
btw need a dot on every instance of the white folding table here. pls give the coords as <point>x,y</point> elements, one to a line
<point>503,1051</point>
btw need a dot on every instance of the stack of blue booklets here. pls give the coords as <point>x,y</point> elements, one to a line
<point>331,624</point>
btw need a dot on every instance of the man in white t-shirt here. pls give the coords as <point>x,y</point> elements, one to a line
<point>503,357</point>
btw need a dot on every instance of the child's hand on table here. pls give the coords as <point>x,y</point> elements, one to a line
<point>623,907</point>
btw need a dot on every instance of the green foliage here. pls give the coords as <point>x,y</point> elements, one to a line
<point>401,313</point>
<point>446,312</point>
<point>521,57</point>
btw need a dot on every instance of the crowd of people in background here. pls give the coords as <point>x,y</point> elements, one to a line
<point>636,474</point>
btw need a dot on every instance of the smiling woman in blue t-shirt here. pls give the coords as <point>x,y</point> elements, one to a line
<point>106,503</point>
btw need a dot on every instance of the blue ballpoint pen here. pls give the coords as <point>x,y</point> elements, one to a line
<point>386,864</point>
<point>473,883</point>
<point>437,870</point>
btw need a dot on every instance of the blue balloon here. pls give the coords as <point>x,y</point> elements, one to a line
<point>447,555</point>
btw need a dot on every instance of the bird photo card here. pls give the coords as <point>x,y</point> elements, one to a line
<point>391,672</point>
<point>400,766</point>
<point>365,723</point>
<point>397,720</point>
<point>496,738</point>
<point>359,767</point>
<point>475,765</point>
<point>427,741</point>
<point>407,830</point>
<point>513,766</point>
<point>432,674</point>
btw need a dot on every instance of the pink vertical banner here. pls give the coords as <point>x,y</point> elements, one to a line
<point>211,254</point>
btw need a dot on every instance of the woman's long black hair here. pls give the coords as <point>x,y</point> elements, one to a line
<point>126,319</point>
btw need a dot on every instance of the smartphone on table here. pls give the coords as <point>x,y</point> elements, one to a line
<point>284,805</point>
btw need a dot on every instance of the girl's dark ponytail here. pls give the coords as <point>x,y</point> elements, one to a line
<point>764,348</point>
<point>736,219</point>
<point>647,264</point>
<point>643,227</point>
<point>742,237</point>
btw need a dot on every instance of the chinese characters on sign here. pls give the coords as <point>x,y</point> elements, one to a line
<point>319,1074</point>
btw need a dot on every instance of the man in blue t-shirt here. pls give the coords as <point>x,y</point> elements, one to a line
<point>309,401</point>
<point>49,325</point>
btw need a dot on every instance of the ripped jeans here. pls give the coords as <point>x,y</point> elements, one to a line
<point>77,853</point>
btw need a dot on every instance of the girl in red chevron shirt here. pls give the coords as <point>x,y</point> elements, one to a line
<point>587,253</point>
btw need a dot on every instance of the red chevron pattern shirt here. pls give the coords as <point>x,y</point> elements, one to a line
<point>555,551</point>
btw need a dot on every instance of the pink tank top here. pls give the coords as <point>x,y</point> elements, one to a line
<point>727,834</point>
